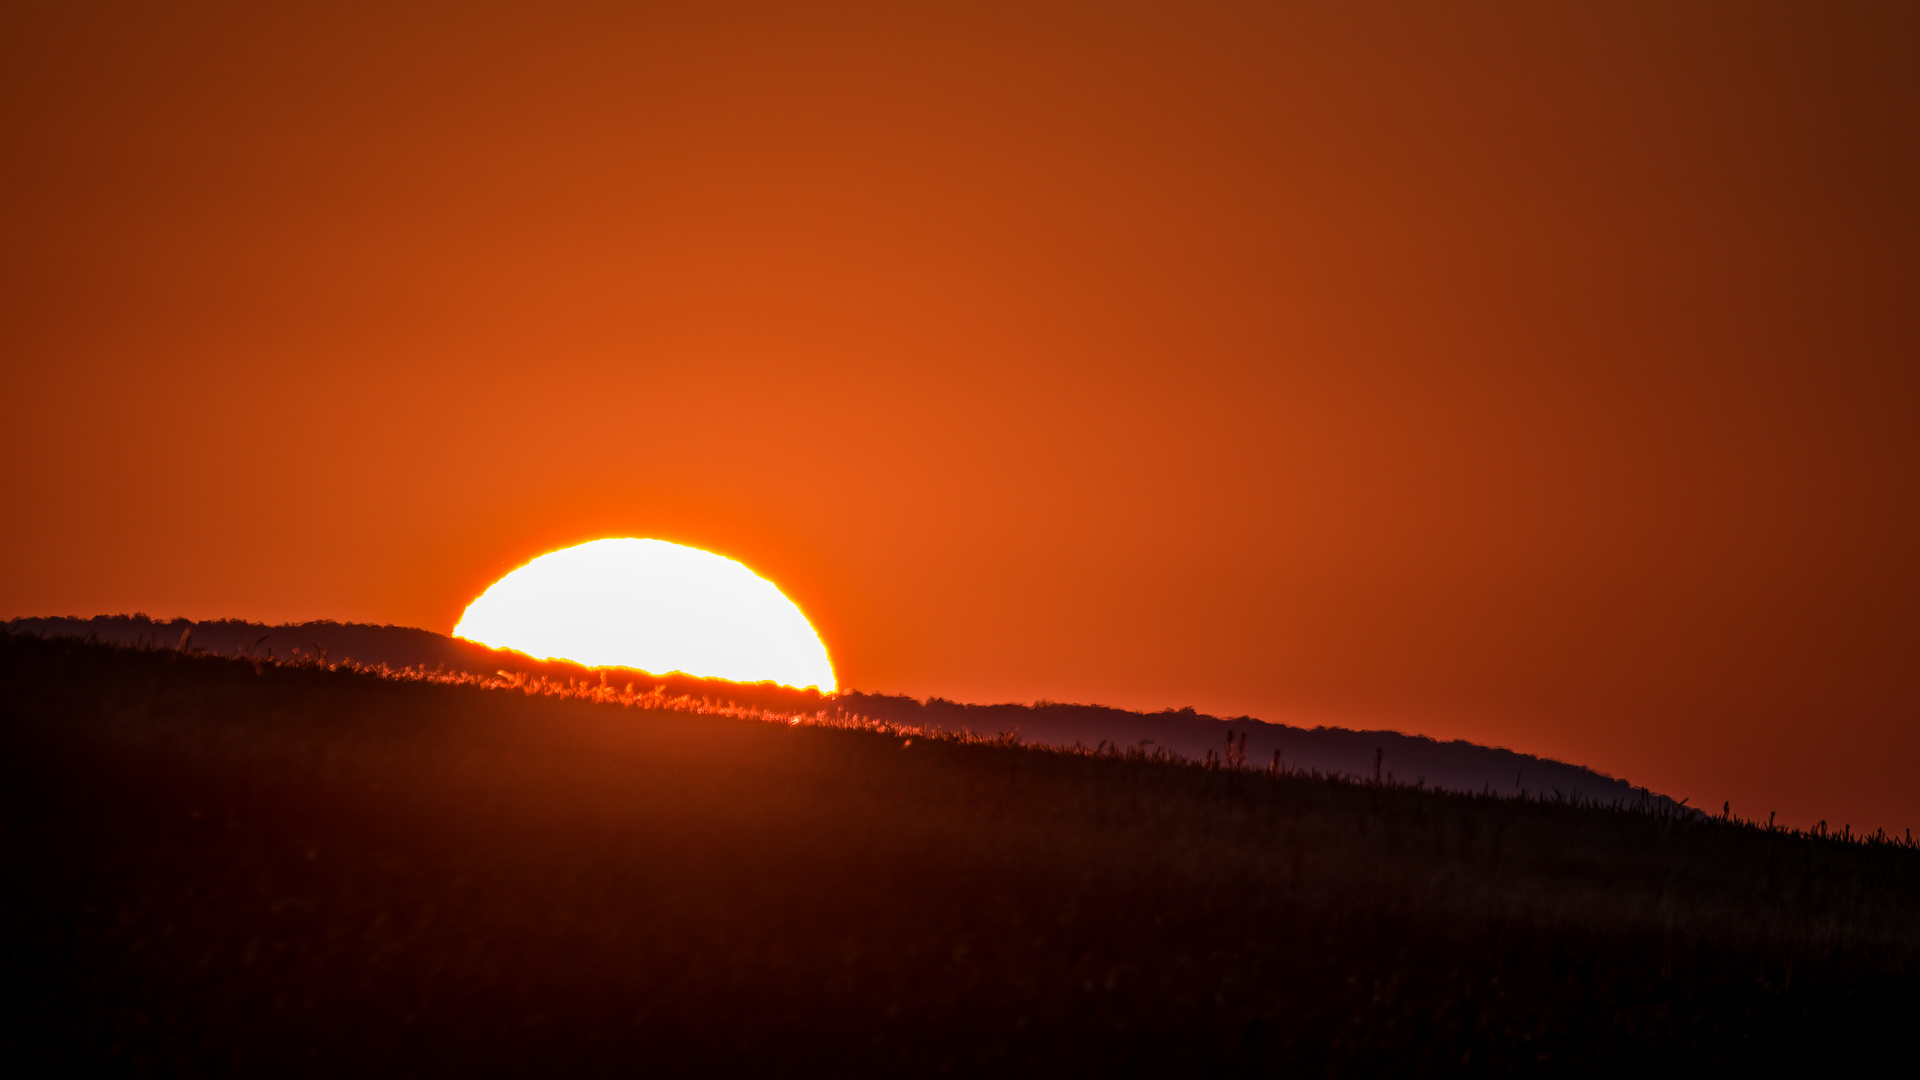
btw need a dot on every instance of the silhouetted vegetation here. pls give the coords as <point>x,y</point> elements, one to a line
<point>222,865</point>
<point>1413,759</point>
<point>400,649</point>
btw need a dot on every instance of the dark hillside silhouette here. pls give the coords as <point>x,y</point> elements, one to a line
<point>1359,755</point>
<point>396,647</point>
<point>1340,752</point>
<point>220,866</point>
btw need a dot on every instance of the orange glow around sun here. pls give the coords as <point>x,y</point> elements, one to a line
<point>654,606</point>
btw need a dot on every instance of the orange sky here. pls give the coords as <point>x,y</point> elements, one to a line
<point>1546,379</point>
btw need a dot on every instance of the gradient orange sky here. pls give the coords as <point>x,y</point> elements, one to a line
<point>1542,375</point>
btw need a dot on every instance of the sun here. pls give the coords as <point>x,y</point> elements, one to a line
<point>654,606</point>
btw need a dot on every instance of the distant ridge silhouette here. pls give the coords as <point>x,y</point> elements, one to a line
<point>1360,755</point>
<point>397,647</point>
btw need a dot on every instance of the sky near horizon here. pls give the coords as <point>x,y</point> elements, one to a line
<point>1544,376</point>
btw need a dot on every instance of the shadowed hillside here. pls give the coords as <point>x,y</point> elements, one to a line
<point>396,647</point>
<point>223,866</point>
<point>1411,759</point>
<point>1340,752</point>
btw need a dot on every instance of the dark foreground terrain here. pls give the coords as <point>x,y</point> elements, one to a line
<point>215,866</point>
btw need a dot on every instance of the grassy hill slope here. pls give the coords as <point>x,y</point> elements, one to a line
<point>222,866</point>
<point>1456,765</point>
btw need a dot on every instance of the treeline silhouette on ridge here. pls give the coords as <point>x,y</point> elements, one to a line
<point>1386,756</point>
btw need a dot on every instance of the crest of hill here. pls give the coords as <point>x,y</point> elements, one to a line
<point>1361,755</point>
<point>395,647</point>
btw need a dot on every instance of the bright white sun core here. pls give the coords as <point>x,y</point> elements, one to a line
<point>654,606</point>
